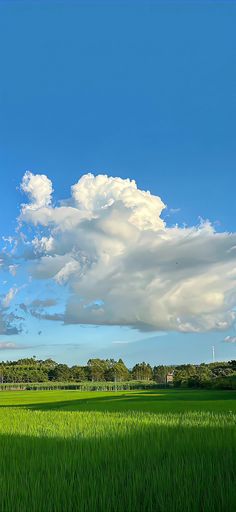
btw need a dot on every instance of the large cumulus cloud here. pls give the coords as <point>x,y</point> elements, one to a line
<point>122,265</point>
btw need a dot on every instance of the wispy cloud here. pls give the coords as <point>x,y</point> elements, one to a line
<point>10,323</point>
<point>5,345</point>
<point>9,297</point>
<point>230,339</point>
<point>38,309</point>
<point>121,342</point>
<point>172,211</point>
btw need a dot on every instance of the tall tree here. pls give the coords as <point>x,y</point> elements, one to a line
<point>97,369</point>
<point>142,371</point>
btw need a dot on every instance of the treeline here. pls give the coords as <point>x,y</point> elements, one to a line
<point>96,370</point>
<point>221,375</point>
<point>32,370</point>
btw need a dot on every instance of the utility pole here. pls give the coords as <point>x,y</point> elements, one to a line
<point>213,353</point>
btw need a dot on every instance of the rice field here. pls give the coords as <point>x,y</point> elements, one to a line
<point>163,450</point>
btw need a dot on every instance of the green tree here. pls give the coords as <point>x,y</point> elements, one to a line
<point>97,369</point>
<point>60,373</point>
<point>183,375</point>
<point>117,371</point>
<point>160,372</point>
<point>79,373</point>
<point>142,371</point>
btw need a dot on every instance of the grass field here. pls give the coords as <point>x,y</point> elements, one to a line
<point>163,450</point>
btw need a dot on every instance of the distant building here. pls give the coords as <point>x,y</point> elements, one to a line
<point>170,378</point>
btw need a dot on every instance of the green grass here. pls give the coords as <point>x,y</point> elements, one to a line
<point>163,450</point>
<point>156,401</point>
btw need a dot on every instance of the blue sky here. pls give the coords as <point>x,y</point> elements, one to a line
<point>142,90</point>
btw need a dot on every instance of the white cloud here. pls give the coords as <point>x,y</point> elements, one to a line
<point>13,269</point>
<point>230,339</point>
<point>95,193</point>
<point>9,297</point>
<point>5,345</point>
<point>123,265</point>
<point>38,188</point>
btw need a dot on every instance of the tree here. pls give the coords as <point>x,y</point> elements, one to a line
<point>61,373</point>
<point>116,371</point>
<point>97,369</point>
<point>142,371</point>
<point>232,365</point>
<point>48,363</point>
<point>182,375</point>
<point>160,373</point>
<point>78,373</point>
<point>121,371</point>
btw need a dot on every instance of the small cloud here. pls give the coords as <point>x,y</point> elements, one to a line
<point>54,317</point>
<point>46,303</point>
<point>13,269</point>
<point>11,345</point>
<point>230,339</point>
<point>39,189</point>
<point>232,249</point>
<point>8,239</point>
<point>121,342</point>
<point>9,297</point>
<point>23,307</point>
<point>9,322</point>
<point>172,211</point>
<point>5,345</point>
<point>37,310</point>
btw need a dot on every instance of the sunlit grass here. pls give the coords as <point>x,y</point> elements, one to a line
<point>121,452</point>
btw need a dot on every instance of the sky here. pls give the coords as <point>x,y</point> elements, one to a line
<point>115,99</point>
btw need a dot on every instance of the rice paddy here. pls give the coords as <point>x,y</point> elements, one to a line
<point>163,450</point>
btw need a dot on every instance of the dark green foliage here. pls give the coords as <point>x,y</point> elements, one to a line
<point>142,371</point>
<point>117,371</point>
<point>79,373</point>
<point>206,375</point>
<point>160,373</point>
<point>61,372</point>
<point>97,369</point>
<point>30,370</point>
